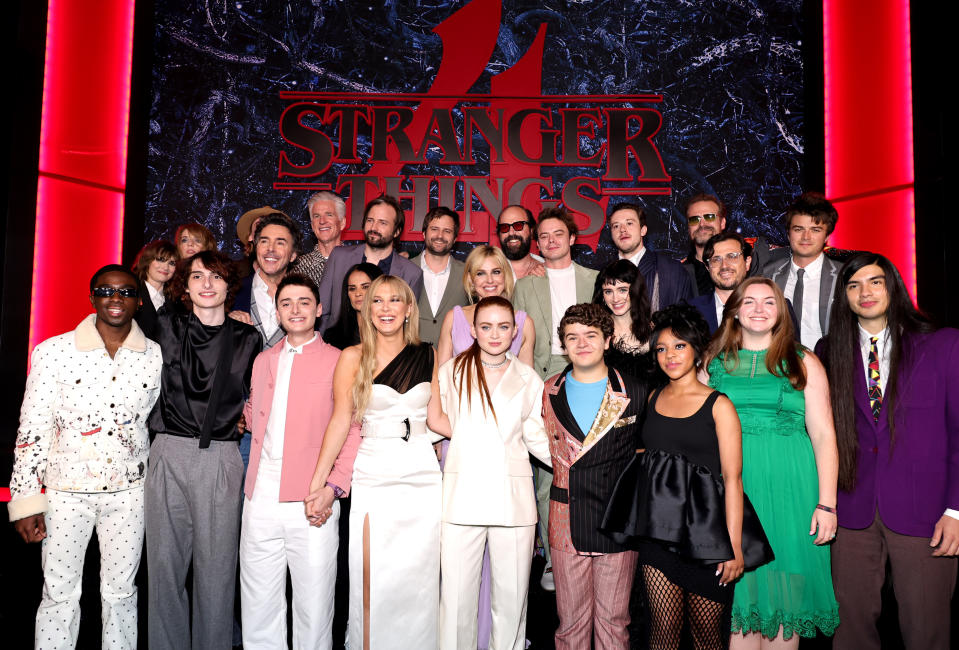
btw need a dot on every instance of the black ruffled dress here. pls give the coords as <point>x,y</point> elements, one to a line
<point>670,501</point>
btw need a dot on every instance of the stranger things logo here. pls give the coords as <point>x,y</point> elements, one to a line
<point>475,152</point>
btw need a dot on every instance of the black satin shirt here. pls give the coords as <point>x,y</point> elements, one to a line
<point>190,353</point>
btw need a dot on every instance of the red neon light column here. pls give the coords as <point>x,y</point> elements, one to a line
<point>83,157</point>
<point>868,120</point>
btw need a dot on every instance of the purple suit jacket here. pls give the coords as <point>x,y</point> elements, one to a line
<point>913,483</point>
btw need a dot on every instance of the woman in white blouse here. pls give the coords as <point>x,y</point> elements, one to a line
<point>154,266</point>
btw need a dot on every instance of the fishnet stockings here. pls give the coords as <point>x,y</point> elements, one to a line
<point>670,605</point>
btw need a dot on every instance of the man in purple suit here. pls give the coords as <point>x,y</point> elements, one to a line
<point>894,380</point>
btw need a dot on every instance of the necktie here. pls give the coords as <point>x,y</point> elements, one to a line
<point>875,392</point>
<point>797,300</point>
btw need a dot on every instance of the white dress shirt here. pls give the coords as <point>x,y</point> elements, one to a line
<point>638,255</point>
<point>434,284</point>
<point>810,328</point>
<point>265,306</point>
<point>276,423</point>
<point>156,295</point>
<point>562,295</point>
<point>720,306</point>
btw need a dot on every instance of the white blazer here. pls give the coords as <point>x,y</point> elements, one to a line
<point>488,478</point>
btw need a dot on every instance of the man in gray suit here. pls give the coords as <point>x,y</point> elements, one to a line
<point>545,300</point>
<point>383,222</point>
<point>442,273</point>
<point>808,277</point>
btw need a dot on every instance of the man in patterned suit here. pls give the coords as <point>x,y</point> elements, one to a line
<point>591,414</point>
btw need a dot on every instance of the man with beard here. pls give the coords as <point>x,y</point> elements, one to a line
<point>383,222</point>
<point>276,241</point>
<point>515,227</point>
<point>442,273</point>
<point>327,219</point>
<point>705,217</point>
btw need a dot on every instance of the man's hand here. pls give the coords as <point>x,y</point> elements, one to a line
<point>537,269</point>
<point>32,528</point>
<point>241,316</point>
<point>319,506</point>
<point>945,537</point>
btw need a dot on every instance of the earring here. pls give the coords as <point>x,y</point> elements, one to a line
<point>406,320</point>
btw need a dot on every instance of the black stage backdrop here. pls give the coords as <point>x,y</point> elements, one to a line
<point>725,78</point>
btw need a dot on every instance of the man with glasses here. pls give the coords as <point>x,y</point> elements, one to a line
<point>705,217</point>
<point>515,229</point>
<point>83,436</point>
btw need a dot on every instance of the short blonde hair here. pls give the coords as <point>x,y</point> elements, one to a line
<point>475,260</point>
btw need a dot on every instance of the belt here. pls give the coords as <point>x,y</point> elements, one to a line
<point>402,429</point>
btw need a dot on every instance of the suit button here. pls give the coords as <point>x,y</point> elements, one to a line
<point>434,321</point>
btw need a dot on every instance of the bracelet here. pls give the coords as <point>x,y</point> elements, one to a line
<point>338,492</point>
<point>820,506</point>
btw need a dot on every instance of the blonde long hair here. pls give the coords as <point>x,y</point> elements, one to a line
<point>475,260</point>
<point>363,382</point>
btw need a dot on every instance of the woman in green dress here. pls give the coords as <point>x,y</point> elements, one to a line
<point>790,466</point>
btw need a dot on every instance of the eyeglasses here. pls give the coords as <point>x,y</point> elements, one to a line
<point>107,292</point>
<point>503,228</point>
<point>696,218</point>
<point>716,260</point>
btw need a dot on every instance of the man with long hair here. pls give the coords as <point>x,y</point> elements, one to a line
<point>894,380</point>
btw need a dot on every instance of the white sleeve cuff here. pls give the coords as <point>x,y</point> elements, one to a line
<point>27,506</point>
<point>951,513</point>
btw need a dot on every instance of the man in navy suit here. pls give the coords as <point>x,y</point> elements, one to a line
<point>894,381</point>
<point>383,223</point>
<point>666,280</point>
<point>728,258</point>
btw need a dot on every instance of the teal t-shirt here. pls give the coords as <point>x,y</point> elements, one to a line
<point>584,400</point>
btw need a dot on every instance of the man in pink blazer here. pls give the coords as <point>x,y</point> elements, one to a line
<point>291,400</point>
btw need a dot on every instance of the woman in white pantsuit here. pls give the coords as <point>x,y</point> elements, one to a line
<point>494,404</point>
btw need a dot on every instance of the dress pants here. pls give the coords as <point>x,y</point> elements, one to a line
<point>275,536</point>
<point>592,599</point>
<point>461,559</point>
<point>192,513</point>
<point>923,586</point>
<point>70,519</point>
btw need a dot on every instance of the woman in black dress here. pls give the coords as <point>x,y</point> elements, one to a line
<point>621,289</point>
<point>683,497</point>
<point>346,330</point>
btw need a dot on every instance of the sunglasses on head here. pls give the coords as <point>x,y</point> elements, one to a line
<point>516,225</point>
<point>696,218</point>
<point>107,292</point>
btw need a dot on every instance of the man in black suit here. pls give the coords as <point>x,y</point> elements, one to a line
<point>705,217</point>
<point>808,277</point>
<point>728,258</point>
<point>666,280</point>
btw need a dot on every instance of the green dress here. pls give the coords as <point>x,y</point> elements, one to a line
<point>779,475</point>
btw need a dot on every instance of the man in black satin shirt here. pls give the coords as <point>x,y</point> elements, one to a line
<point>193,486</point>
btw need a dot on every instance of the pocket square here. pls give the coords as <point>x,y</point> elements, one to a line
<point>625,422</point>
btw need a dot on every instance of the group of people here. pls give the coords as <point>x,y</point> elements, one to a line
<point>750,434</point>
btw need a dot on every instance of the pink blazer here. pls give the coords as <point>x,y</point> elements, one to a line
<point>309,408</point>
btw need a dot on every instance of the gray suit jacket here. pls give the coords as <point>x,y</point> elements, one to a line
<point>778,272</point>
<point>430,323</point>
<point>339,262</point>
<point>532,296</point>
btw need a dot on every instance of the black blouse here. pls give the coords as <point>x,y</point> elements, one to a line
<point>191,351</point>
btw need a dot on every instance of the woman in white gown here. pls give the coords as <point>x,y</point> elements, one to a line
<point>388,382</point>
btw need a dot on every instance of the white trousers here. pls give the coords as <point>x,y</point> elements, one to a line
<point>71,518</point>
<point>276,536</point>
<point>461,559</point>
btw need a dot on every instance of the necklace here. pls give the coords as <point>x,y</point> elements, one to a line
<point>494,366</point>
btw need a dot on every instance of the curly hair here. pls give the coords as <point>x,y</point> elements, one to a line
<point>212,261</point>
<point>686,324</point>
<point>588,314</point>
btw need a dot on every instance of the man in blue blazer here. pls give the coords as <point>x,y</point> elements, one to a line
<point>383,223</point>
<point>894,381</point>
<point>666,280</point>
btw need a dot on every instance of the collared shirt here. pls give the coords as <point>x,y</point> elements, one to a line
<point>276,423</point>
<point>636,256</point>
<point>811,329</point>
<point>562,295</point>
<point>156,295</point>
<point>384,264</point>
<point>434,284</point>
<point>720,306</point>
<point>265,306</point>
<point>882,352</point>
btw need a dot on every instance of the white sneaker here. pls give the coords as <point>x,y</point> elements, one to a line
<point>547,582</point>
